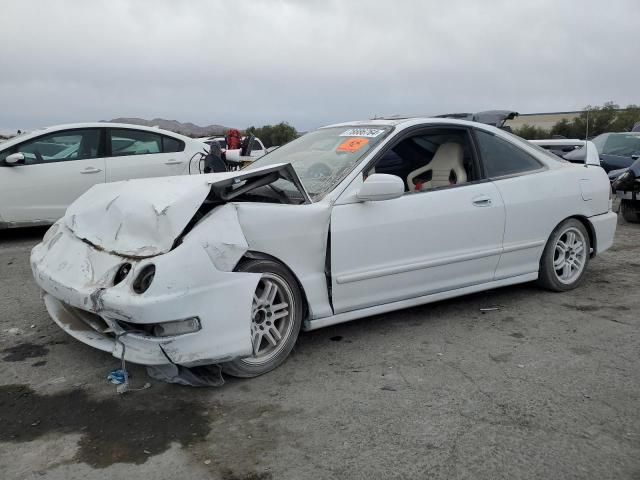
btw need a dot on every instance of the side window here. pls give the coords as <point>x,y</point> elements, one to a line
<point>134,142</point>
<point>170,144</point>
<point>256,145</point>
<point>61,146</point>
<point>502,158</point>
<point>438,157</point>
<point>621,144</point>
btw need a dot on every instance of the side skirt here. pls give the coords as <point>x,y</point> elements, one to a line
<point>412,302</point>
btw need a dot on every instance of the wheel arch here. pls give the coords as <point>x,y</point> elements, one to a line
<point>587,225</point>
<point>255,255</point>
<point>593,239</point>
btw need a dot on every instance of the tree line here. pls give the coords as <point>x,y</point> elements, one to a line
<point>607,118</point>
<point>274,135</point>
<point>271,135</point>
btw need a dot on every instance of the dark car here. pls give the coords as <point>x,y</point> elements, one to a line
<point>617,150</point>
<point>625,184</point>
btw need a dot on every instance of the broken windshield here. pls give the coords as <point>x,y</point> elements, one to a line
<point>324,157</point>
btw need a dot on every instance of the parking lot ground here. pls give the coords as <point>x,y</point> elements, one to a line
<point>545,386</point>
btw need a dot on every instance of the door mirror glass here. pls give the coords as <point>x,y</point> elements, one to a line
<point>381,186</point>
<point>14,159</point>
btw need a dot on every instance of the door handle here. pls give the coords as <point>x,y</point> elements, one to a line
<point>482,201</point>
<point>91,170</point>
<point>173,162</point>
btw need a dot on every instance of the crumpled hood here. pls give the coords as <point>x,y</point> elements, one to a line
<point>143,217</point>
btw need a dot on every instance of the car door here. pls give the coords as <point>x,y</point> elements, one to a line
<point>424,242</point>
<point>140,154</point>
<point>58,167</point>
<point>530,195</point>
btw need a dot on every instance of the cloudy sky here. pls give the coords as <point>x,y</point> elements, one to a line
<point>310,62</point>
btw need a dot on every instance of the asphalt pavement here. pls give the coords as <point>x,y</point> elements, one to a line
<point>541,386</point>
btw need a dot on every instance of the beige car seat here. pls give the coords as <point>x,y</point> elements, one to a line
<point>448,158</point>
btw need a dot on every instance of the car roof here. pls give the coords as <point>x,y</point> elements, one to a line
<point>415,121</point>
<point>69,126</point>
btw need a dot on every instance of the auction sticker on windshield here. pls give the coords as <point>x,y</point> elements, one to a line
<point>362,132</point>
<point>352,145</point>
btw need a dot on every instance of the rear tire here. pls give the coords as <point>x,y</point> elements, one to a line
<point>630,210</point>
<point>277,312</point>
<point>565,257</point>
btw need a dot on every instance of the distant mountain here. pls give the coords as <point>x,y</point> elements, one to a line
<point>188,128</point>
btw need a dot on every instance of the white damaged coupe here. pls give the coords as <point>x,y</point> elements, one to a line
<point>347,221</point>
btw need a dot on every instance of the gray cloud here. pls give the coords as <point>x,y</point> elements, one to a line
<point>310,62</point>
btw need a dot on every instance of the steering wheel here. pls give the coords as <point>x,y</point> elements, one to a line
<point>319,171</point>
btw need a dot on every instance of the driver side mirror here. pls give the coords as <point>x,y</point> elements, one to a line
<point>14,159</point>
<point>381,186</point>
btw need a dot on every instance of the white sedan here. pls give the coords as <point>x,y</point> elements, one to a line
<point>43,172</point>
<point>348,221</point>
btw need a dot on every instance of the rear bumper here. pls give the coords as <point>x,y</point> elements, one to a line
<point>604,227</point>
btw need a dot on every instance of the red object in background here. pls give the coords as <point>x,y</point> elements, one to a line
<point>233,139</point>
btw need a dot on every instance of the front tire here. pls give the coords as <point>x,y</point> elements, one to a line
<point>565,257</point>
<point>277,312</point>
<point>630,211</point>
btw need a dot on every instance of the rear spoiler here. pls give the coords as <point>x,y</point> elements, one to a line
<point>497,118</point>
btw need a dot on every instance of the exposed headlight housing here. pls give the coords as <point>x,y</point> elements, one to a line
<point>143,281</point>
<point>177,327</point>
<point>122,273</point>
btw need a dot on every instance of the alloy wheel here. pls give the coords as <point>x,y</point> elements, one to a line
<point>271,318</point>
<point>570,255</point>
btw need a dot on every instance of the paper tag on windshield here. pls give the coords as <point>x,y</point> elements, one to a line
<point>352,145</point>
<point>362,132</point>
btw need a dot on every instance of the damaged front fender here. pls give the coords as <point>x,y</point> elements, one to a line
<point>193,280</point>
<point>147,217</point>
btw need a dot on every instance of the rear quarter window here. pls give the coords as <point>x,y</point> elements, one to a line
<point>170,144</point>
<point>502,158</point>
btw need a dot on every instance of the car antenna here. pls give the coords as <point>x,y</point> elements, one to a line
<point>586,141</point>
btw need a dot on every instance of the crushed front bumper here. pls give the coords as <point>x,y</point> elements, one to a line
<point>81,297</point>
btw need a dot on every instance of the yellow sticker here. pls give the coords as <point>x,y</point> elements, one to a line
<point>352,145</point>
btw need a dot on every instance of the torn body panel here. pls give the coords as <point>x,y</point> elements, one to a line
<point>144,217</point>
